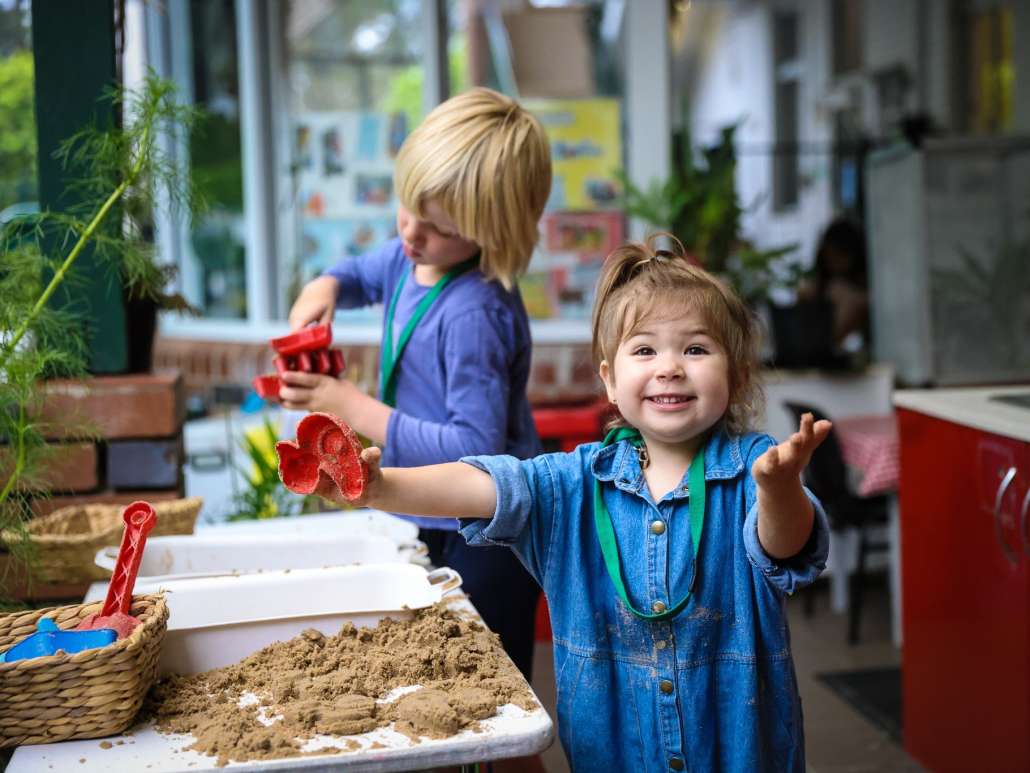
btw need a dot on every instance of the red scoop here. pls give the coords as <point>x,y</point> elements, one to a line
<point>326,452</point>
<point>139,519</point>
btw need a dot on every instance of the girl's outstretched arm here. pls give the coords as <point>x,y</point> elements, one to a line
<point>453,490</point>
<point>784,511</point>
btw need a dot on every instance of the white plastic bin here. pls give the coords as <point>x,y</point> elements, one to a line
<point>343,523</point>
<point>216,552</point>
<point>216,621</point>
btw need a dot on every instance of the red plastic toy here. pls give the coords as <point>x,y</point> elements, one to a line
<point>326,452</point>
<point>305,350</point>
<point>139,519</point>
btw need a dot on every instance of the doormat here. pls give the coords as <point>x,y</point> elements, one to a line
<point>875,693</point>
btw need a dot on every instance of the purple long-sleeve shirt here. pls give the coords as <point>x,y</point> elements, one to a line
<point>461,380</point>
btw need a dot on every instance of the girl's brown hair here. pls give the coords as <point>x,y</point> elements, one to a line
<point>640,283</point>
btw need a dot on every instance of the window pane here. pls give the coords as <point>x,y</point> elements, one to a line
<point>217,273</point>
<point>785,37</point>
<point>18,184</point>
<point>563,62</point>
<point>354,80</point>
<point>847,36</point>
<point>785,162</point>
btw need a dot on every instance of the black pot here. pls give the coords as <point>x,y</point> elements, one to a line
<point>140,331</point>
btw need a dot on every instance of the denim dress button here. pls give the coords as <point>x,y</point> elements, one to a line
<point>658,607</point>
<point>657,527</point>
<point>676,763</point>
<point>665,686</point>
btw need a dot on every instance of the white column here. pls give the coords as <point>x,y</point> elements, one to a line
<point>648,104</point>
<point>258,174</point>
<point>168,54</point>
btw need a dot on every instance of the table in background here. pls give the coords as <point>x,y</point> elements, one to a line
<point>870,447</point>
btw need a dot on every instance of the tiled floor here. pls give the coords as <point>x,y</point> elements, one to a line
<point>840,740</point>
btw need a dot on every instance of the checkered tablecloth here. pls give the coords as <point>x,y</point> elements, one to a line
<point>869,445</point>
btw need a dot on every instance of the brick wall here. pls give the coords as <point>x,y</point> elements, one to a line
<point>560,372</point>
<point>115,439</point>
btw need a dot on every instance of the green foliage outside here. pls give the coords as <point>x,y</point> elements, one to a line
<point>405,90</point>
<point>215,160</point>
<point>17,129</point>
<point>114,172</point>
<point>699,205</point>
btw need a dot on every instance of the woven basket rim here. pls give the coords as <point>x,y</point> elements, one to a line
<point>182,503</point>
<point>151,621</point>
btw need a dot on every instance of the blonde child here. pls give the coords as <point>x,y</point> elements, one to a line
<point>665,552</point>
<point>472,181</point>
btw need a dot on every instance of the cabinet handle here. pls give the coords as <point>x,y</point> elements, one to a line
<point>998,497</point>
<point>1022,523</point>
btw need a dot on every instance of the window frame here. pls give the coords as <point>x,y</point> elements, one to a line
<point>167,50</point>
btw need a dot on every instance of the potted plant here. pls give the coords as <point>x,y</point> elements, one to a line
<point>699,205</point>
<point>118,171</point>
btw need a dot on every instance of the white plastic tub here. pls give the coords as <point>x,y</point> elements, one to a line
<point>206,554</point>
<point>216,621</point>
<point>343,523</point>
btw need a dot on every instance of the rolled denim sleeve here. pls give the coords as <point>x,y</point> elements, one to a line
<point>801,569</point>
<point>790,574</point>
<point>525,498</point>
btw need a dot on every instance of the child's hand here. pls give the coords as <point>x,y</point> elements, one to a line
<point>371,456</point>
<point>782,464</point>
<point>314,392</point>
<point>316,303</point>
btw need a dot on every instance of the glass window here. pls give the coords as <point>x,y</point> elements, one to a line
<point>562,62</point>
<point>18,183</point>
<point>990,76</point>
<point>787,69</point>
<point>846,20</point>
<point>215,277</point>
<point>353,78</point>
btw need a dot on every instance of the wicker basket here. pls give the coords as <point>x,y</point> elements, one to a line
<point>67,540</point>
<point>90,694</point>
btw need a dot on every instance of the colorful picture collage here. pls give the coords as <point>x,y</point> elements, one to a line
<point>583,223</point>
<point>344,163</point>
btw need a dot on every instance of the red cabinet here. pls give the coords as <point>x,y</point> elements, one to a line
<point>965,566</point>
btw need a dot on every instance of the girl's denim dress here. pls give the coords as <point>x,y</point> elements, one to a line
<point>711,689</point>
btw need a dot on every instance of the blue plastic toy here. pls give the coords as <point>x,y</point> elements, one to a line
<point>48,639</point>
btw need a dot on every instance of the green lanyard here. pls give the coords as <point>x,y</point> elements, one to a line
<point>606,532</point>
<point>389,357</point>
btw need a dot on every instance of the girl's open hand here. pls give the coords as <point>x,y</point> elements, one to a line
<point>783,463</point>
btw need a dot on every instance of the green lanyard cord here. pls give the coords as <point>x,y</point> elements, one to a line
<point>389,357</point>
<point>606,531</point>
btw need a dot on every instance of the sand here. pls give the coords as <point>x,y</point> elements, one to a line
<point>339,685</point>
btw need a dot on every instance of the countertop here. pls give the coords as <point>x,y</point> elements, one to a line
<point>972,407</point>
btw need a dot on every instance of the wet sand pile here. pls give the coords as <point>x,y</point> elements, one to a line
<point>335,685</point>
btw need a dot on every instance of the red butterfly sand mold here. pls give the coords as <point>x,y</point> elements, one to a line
<point>326,451</point>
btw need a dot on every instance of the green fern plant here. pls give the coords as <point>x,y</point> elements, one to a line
<point>116,174</point>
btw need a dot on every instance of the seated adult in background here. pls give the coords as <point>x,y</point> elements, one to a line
<point>839,277</point>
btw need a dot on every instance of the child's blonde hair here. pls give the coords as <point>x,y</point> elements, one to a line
<point>486,162</point>
<point>639,284</point>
